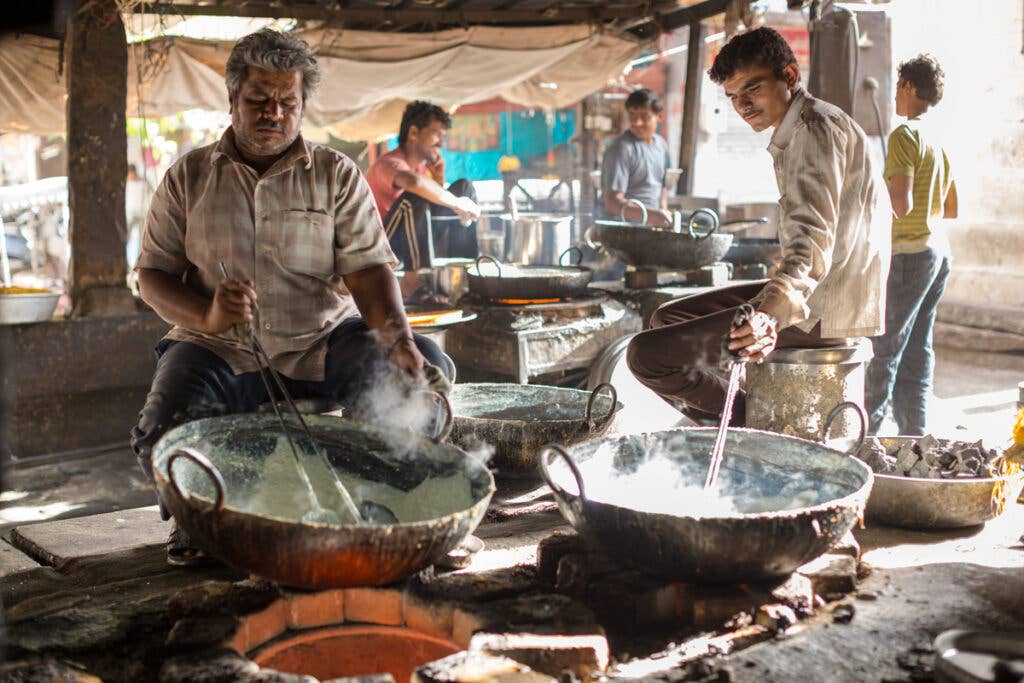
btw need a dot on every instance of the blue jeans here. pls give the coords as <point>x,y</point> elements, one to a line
<point>904,362</point>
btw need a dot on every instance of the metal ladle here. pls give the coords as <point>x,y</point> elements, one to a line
<point>318,514</point>
<point>736,366</point>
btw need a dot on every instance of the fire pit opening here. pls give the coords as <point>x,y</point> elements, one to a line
<point>346,651</point>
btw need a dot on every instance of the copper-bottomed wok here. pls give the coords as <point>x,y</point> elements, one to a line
<point>760,545</point>
<point>206,472</point>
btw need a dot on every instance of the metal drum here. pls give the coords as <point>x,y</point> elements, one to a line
<point>794,389</point>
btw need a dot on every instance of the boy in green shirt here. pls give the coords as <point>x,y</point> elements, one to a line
<point>922,193</point>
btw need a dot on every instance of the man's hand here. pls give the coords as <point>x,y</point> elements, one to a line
<point>405,355</point>
<point>659,218</point>
<point>756,338</point>
<point>467,209</point>
<point>232,304</point>
<point>435,167</point>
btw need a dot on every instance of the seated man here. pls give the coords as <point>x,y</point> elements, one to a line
<point>294,226</point>
<point>635,164</point>
<point>834,228</point>
<point>407,182</point>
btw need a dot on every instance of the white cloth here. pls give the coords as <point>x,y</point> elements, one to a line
<point>368,76</point>
<point>835,224</point>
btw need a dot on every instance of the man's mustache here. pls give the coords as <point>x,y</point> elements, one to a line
<point>267,123</point>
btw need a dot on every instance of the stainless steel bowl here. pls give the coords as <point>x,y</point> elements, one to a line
<point>27,308</point>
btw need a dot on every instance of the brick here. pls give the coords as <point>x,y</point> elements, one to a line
<point>847,545</point>
<point>550,551</point>
<point>434,618</point>
<point>584,655</point>
<point>831,574</point>
<point>775,617</point>
<point>374,606</point>
<point>475,667</point>
<point>551,613</point>
<point>371,678</point>
<point>310,610</point>
<point>267,624</point>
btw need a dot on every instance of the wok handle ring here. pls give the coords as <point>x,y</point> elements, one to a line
<point>487,257</point>
<point>449,417</point>
<point>643,210</point>
<point>847,405</point>
<point>714,224</point>
<point>589,240</point>
<point>559,492</point>
<point>571,250</point>
<point>206,466</point>
<point>593,397</point>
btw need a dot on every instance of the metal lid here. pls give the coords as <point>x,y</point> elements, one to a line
<point>854,350</point>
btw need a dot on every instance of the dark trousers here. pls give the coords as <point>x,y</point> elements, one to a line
<point>904,362</point>
<point>678,356</point>
<point>420,231</point>
<point>192,382</point>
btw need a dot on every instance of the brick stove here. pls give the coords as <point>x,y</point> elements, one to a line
<point>535,603</point>
<point>522,340</point>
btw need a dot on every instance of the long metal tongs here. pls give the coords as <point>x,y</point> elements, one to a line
<point>262,359</point>
<point>736,365</point>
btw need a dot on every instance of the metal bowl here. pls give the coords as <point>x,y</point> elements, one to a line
<point>760,542</point>
<point>27,308</point>
<point>213,475</point>
<point>913,503</point>
<point>517,420</point>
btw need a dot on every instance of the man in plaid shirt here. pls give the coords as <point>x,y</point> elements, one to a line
<point>297,229</point>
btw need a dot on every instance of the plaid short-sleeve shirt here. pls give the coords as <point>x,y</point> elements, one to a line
<point>294,231</point>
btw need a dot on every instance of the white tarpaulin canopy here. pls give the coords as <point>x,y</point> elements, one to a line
<point>368,76</point>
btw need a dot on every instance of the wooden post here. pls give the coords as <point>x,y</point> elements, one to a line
<point>691,106</point>
<point>97,159</point>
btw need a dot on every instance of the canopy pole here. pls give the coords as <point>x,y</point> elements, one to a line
<point>691,106</point>
<point>97,78</point>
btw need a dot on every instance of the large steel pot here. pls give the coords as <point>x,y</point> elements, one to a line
<point>914,503</point>
<point>734,547</point>
<point>509,281</point>
<point>207,472</point>
<point>518,419</point>
<point>536,238</point>
<point>644,247</point>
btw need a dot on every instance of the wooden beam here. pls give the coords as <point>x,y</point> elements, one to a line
<point>691,106</point>
<point>97,79</point>
<point>670,21</point>
<point>412,15</point>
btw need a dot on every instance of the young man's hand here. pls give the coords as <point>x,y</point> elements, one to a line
<point>231,305</point>
<point>467,209</point>
<point>756,338</point>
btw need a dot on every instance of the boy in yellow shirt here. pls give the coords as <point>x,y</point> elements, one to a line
<point>922,193</point>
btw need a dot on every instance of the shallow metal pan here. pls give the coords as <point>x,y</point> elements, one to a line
<point>510,281</point>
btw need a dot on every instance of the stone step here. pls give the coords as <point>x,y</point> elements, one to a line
<point>52,543</point>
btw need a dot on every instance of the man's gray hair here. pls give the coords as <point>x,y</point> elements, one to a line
<point>274,51</point>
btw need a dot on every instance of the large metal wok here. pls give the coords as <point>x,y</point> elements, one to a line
<point>737,546</point>
<point>644,247</point>
<point>509,281</point>
<point>915,503</point>
<point>750,250</point>
<point>518,419</point>
<point>212,475</point>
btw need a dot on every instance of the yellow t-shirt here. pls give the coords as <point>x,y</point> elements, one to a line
<point>912,153</point>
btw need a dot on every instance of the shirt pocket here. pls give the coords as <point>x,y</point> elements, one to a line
<point>306,240</point>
